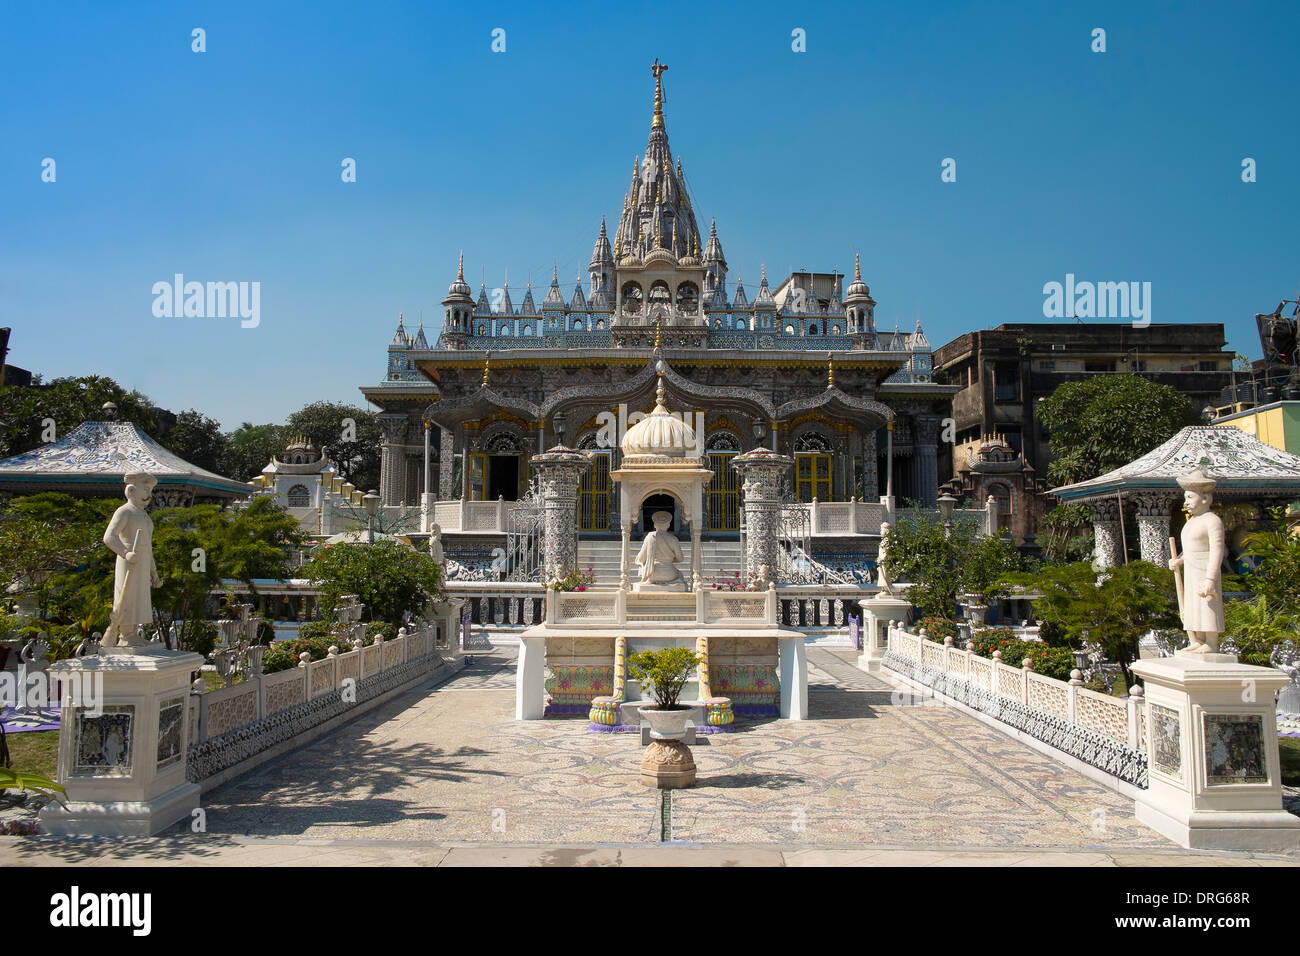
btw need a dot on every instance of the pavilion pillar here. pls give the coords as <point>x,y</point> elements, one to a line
<point>1107,551</point>
<point>392,459</point>
<point>762,473</point>
<point>559,471</point>
<point>1153,527</point>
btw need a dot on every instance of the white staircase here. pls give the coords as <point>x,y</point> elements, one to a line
<point>603,557</point>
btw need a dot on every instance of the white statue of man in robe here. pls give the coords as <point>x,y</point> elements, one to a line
<point>435,544</point>
<point>130,536</point>
<point>1201,565</point>
<point>882,575</point>
<point>658,557</point>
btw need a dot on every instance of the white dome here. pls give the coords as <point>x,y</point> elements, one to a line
<point>660,433</point>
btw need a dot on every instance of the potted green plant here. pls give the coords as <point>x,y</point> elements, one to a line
<point>667,761</point>
<point>663,674</point>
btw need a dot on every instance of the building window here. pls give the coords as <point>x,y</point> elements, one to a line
<point>298,497</point>
<point>1209,366</point>
<point>812,329</point>
<point>1007,377</point>
<point>1099,366</point>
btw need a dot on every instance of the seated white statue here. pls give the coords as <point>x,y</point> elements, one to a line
<point>658,557</point>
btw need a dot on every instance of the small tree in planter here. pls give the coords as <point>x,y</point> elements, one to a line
<point>667,762</point>
<point>664,673</point>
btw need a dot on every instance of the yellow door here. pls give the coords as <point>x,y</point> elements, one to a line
<point>812,476</point>
<point>724,499</point>
<point>594,494</point>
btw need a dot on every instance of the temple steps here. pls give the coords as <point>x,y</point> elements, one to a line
<point>603,558</point>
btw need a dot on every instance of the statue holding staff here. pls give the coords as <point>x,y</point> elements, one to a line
<point>1198,571</point>
<point>130,536</point>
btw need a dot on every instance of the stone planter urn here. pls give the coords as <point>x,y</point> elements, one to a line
<point>974,609</point>
<point>667,762</point>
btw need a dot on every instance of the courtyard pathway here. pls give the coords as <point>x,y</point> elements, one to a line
<point>445,775</point>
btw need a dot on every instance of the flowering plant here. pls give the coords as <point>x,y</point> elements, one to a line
<point>575,580</point>
<point>733,583</point>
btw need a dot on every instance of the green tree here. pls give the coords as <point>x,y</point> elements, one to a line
<point>389,577</point>
<point>46,540</point>
<point>201,548</point>
<point>1113,608</point>
<point>1272,615</point>
<point>1097,425</point>
<point>198,439</point>
<point>351,435</point>
<point>248,449</point>
<point>941,567</point>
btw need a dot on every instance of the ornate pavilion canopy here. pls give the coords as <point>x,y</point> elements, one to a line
<point>1244,468</point>
<point>91,460</point>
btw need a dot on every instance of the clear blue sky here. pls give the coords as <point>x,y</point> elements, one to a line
<point>225,165</point>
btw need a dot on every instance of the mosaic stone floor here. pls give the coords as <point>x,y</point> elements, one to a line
<point>451,765</point>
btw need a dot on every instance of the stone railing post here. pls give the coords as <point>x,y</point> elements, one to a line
<point>1136,699</point>
<point>333,656</point>
<point>501,515</point>
<point>1072,696</point>
<point>1027,665</point>
<point>200,690</point>
<point>379,643</point>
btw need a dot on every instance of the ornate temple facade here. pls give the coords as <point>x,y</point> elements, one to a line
<point>802,370</point>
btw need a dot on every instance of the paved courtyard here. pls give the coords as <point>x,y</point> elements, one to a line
<point>445,774</point>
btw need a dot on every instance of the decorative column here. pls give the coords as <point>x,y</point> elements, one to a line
<point>762,473</point>
<point>392,459</point>
<point>870,475</point>
<point>559,471</point>
<point>926,462</point>
<point>1107,552</point>
<point>889,462</point>
<point>1153,527</point>
<point>427,494</point>
<point>446,463</point>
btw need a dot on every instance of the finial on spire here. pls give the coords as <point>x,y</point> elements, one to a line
<point>658,70</point>
<point>602,227</point>
<point>674,237</point>
<point>857,267</point>
<point>487,363</point>
<point>460,268</point>
<point>697,245</point>
<point>659,337</point>
<point>636,167</point>
<point>713,228</point>
<point>679,166</point>
<point>830,371</point>
<point>555,273</point>
<point>762,276</point>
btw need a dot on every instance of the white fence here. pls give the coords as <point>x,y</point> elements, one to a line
<point>218,712</point>
<point>1107,732</point>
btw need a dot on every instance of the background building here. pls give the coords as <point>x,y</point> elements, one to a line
<point>1002,373</point>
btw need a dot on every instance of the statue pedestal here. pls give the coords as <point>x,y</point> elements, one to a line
<point>1211,729</point>
<point>124,768</point>
<point>877,613</point>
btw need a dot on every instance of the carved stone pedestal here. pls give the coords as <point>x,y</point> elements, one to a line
<point>123,764</point>
<point>668,765</point>
<point>1215,779</point>
<point>877,614</point>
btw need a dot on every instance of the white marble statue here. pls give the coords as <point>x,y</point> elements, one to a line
<point>130,536</point>
<point>660,552</point>
<point>1201,580</point>
<point>435,544</point>
<point>882,575</point>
